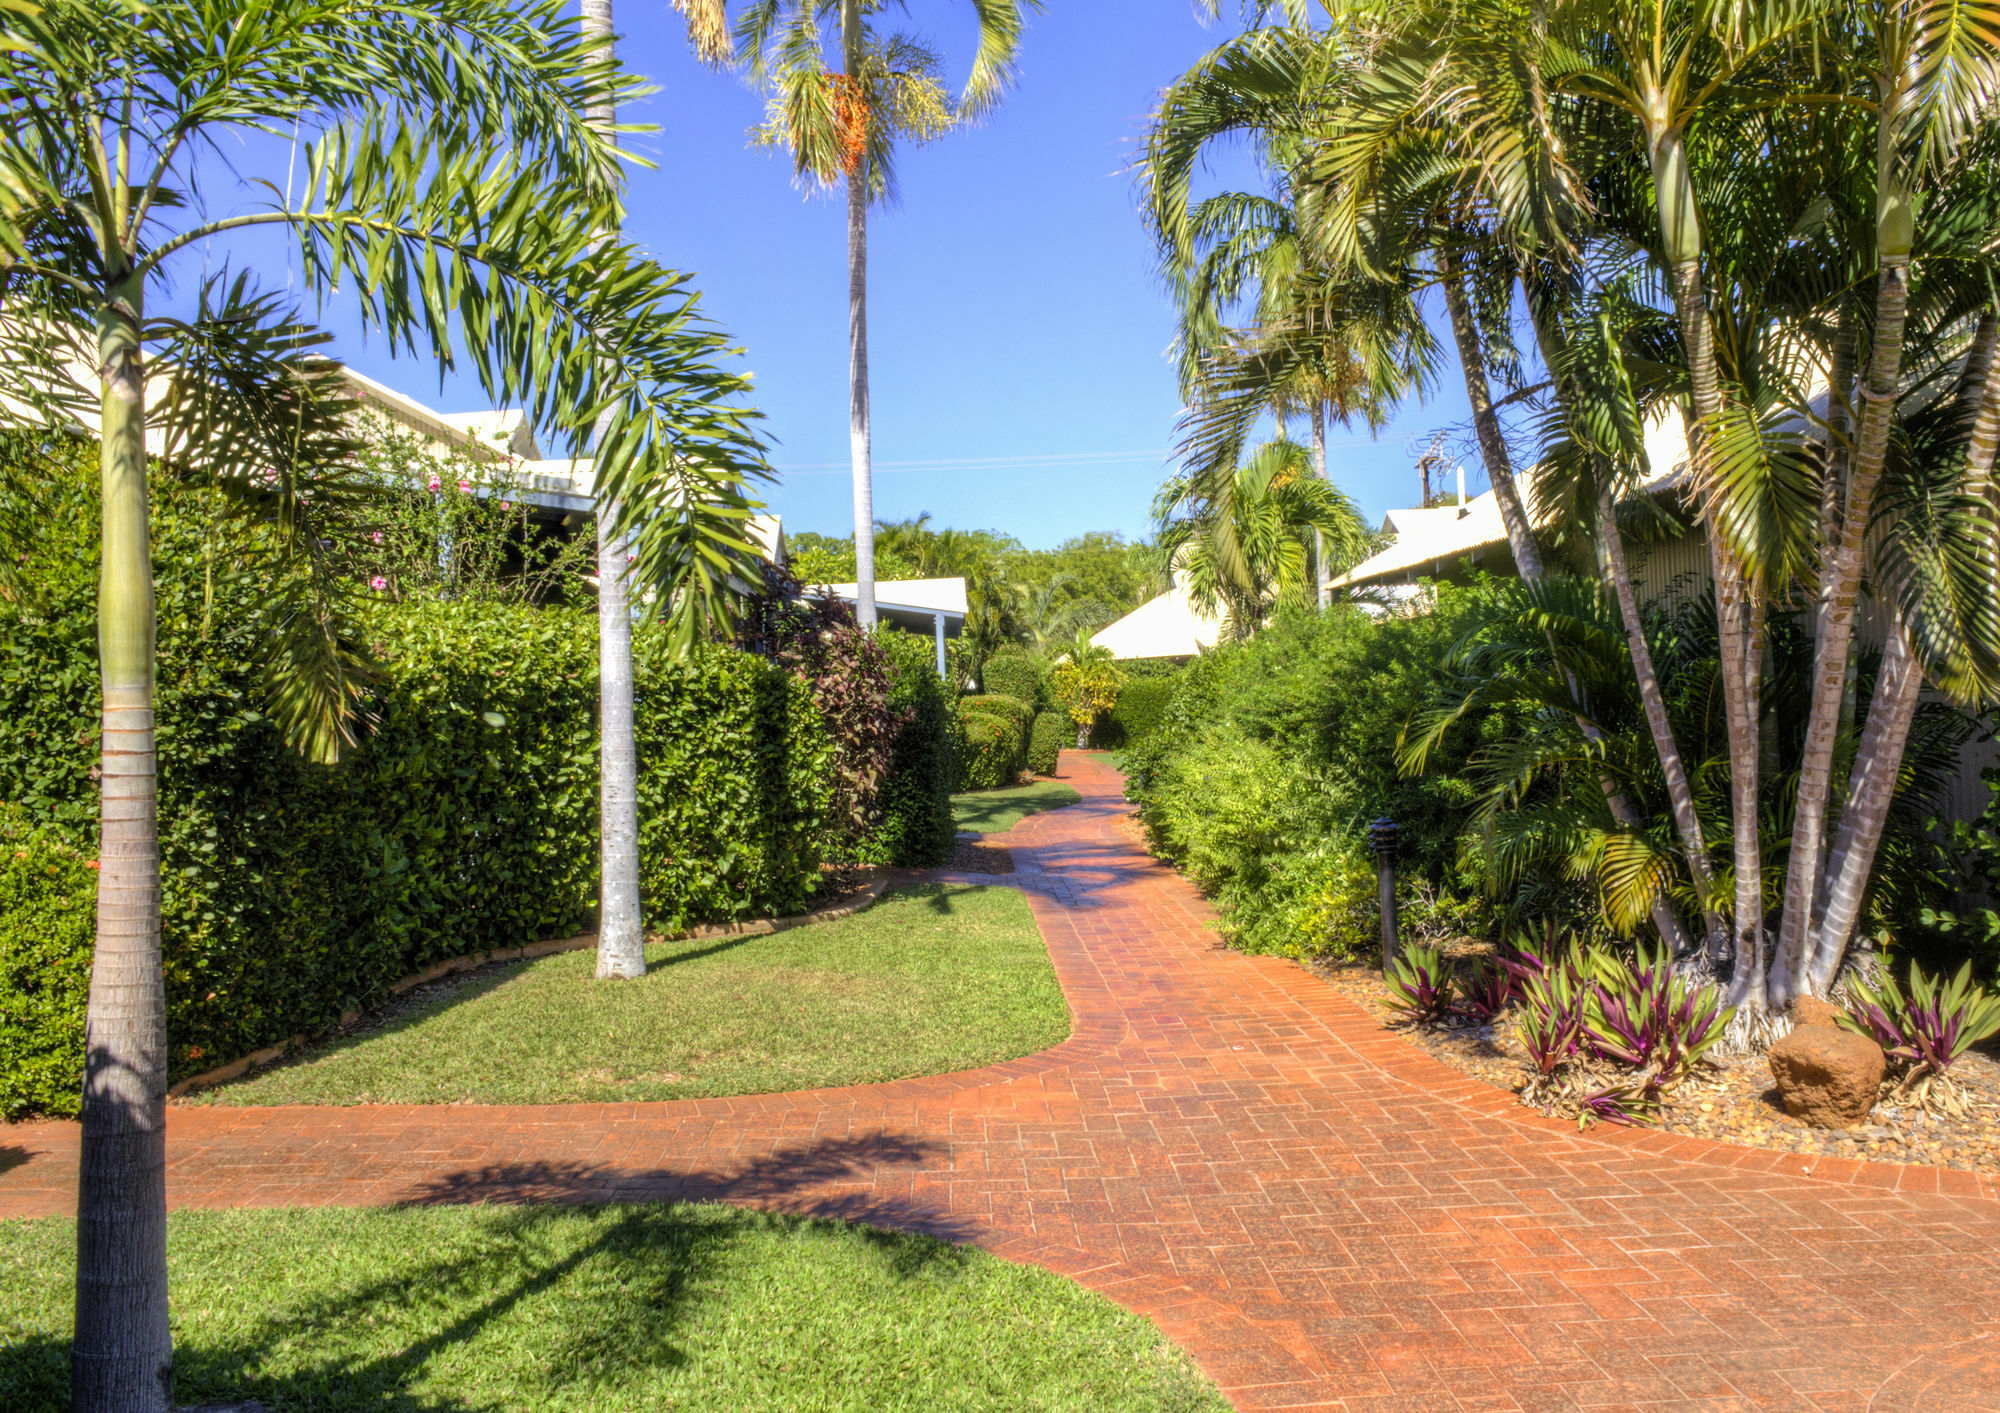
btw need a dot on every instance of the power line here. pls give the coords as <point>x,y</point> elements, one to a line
<point>1052,461</point>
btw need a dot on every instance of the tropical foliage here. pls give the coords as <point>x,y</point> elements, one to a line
<point>1267,535</point>
<point>1271,756</point>
<point>1774,225</point>
<point>1015,596</point>
<point>455,180</point>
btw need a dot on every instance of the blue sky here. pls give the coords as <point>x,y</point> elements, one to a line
<point>1018,332</point>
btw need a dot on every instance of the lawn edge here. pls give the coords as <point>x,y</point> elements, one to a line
<point>860,901</point>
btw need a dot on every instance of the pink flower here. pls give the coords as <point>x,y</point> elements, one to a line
<point>506,505</point>
<point>376,537</point>
<point>378,583</point>
<point>465,488</point>
<point>436,484</point>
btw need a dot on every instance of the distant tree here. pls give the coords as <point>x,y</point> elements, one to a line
<point>1248,544</point>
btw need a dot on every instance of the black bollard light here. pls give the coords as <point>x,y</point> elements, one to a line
<point>1382,834</point>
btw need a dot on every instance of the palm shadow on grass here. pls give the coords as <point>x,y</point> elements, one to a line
<point>572,1297</point>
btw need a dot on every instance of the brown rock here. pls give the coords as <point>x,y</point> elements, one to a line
<point>1827,1077</point>
<point>1810,1010</point>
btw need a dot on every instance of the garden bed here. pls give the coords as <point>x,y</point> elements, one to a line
<point>1735,1100</point>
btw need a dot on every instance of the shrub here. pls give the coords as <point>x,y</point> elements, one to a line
<point>736,790</point>
<point>48,898</point>
<point>917,829</point>
<point>1267,759</point>
<point>1132,718</point>
<point>464,819</point>
<point>1047,738</point>
<point>1010,709</point>
<point>849,676</point>
<point>992,751</point>
<point>1011,672</point>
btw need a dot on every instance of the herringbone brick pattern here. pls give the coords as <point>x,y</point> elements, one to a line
<point>1323,1215</point>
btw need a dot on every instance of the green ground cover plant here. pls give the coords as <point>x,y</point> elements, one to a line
<point>930,980</point>
<point>686,1307</point>
<point>997,811</point>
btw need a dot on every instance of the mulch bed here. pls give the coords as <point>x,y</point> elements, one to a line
<point>975,855</point>
<point>1736,1101</point>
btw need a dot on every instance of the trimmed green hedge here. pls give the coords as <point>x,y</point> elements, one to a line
<point>48,911</point>
<point>917,829</point>
<point>992,751</point>
<point>735,788</point>
<point>464,819</point>
<point>1014,674</point>
<point>1052,731</point>
<point>1141,704</point>
<point>1010,709</point>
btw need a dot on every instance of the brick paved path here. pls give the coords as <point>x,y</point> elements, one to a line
<point>1322,1214</point>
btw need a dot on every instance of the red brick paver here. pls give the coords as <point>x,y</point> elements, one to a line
<point>1324,1216</point>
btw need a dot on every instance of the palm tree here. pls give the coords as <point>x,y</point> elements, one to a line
<point>1853,119</point>
<point>455,186</point>
<point>846,123</point>
<point>1051,612</point>
<point>621,938</point>
<point>1249,543</point>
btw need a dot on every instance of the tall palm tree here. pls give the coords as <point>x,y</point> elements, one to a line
<point>1681,104</point>
<point>845,124</point>
<point>1250,543</point>
<point>621,938</point>
<point>455,186</point>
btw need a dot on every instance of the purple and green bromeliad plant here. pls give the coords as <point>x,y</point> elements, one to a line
<point>1420,983</point>
<point>1930,1027</point>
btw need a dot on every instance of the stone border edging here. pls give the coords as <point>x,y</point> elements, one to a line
<point>863,899</point>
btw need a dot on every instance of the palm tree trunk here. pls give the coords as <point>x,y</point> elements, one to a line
<point>1840,590</point>
<point>859,432</point>
<point>1681,246</point>
<point>1492,445</point>
<point>621,940</point>
<point>122,1357</point>
<point>1680,793</point>
<point>1324,587</point>
<point>1833,446</point>
<point>1879,758</point>
<point>1871,787</point>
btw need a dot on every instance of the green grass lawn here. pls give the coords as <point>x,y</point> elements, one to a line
<point>997,811</point>
<point>662,1307</point>
<point>931,979</point>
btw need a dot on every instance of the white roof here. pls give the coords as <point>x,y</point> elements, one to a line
<point>920,595</point>
<point>1432,538</point>
<point>1167,626</point>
